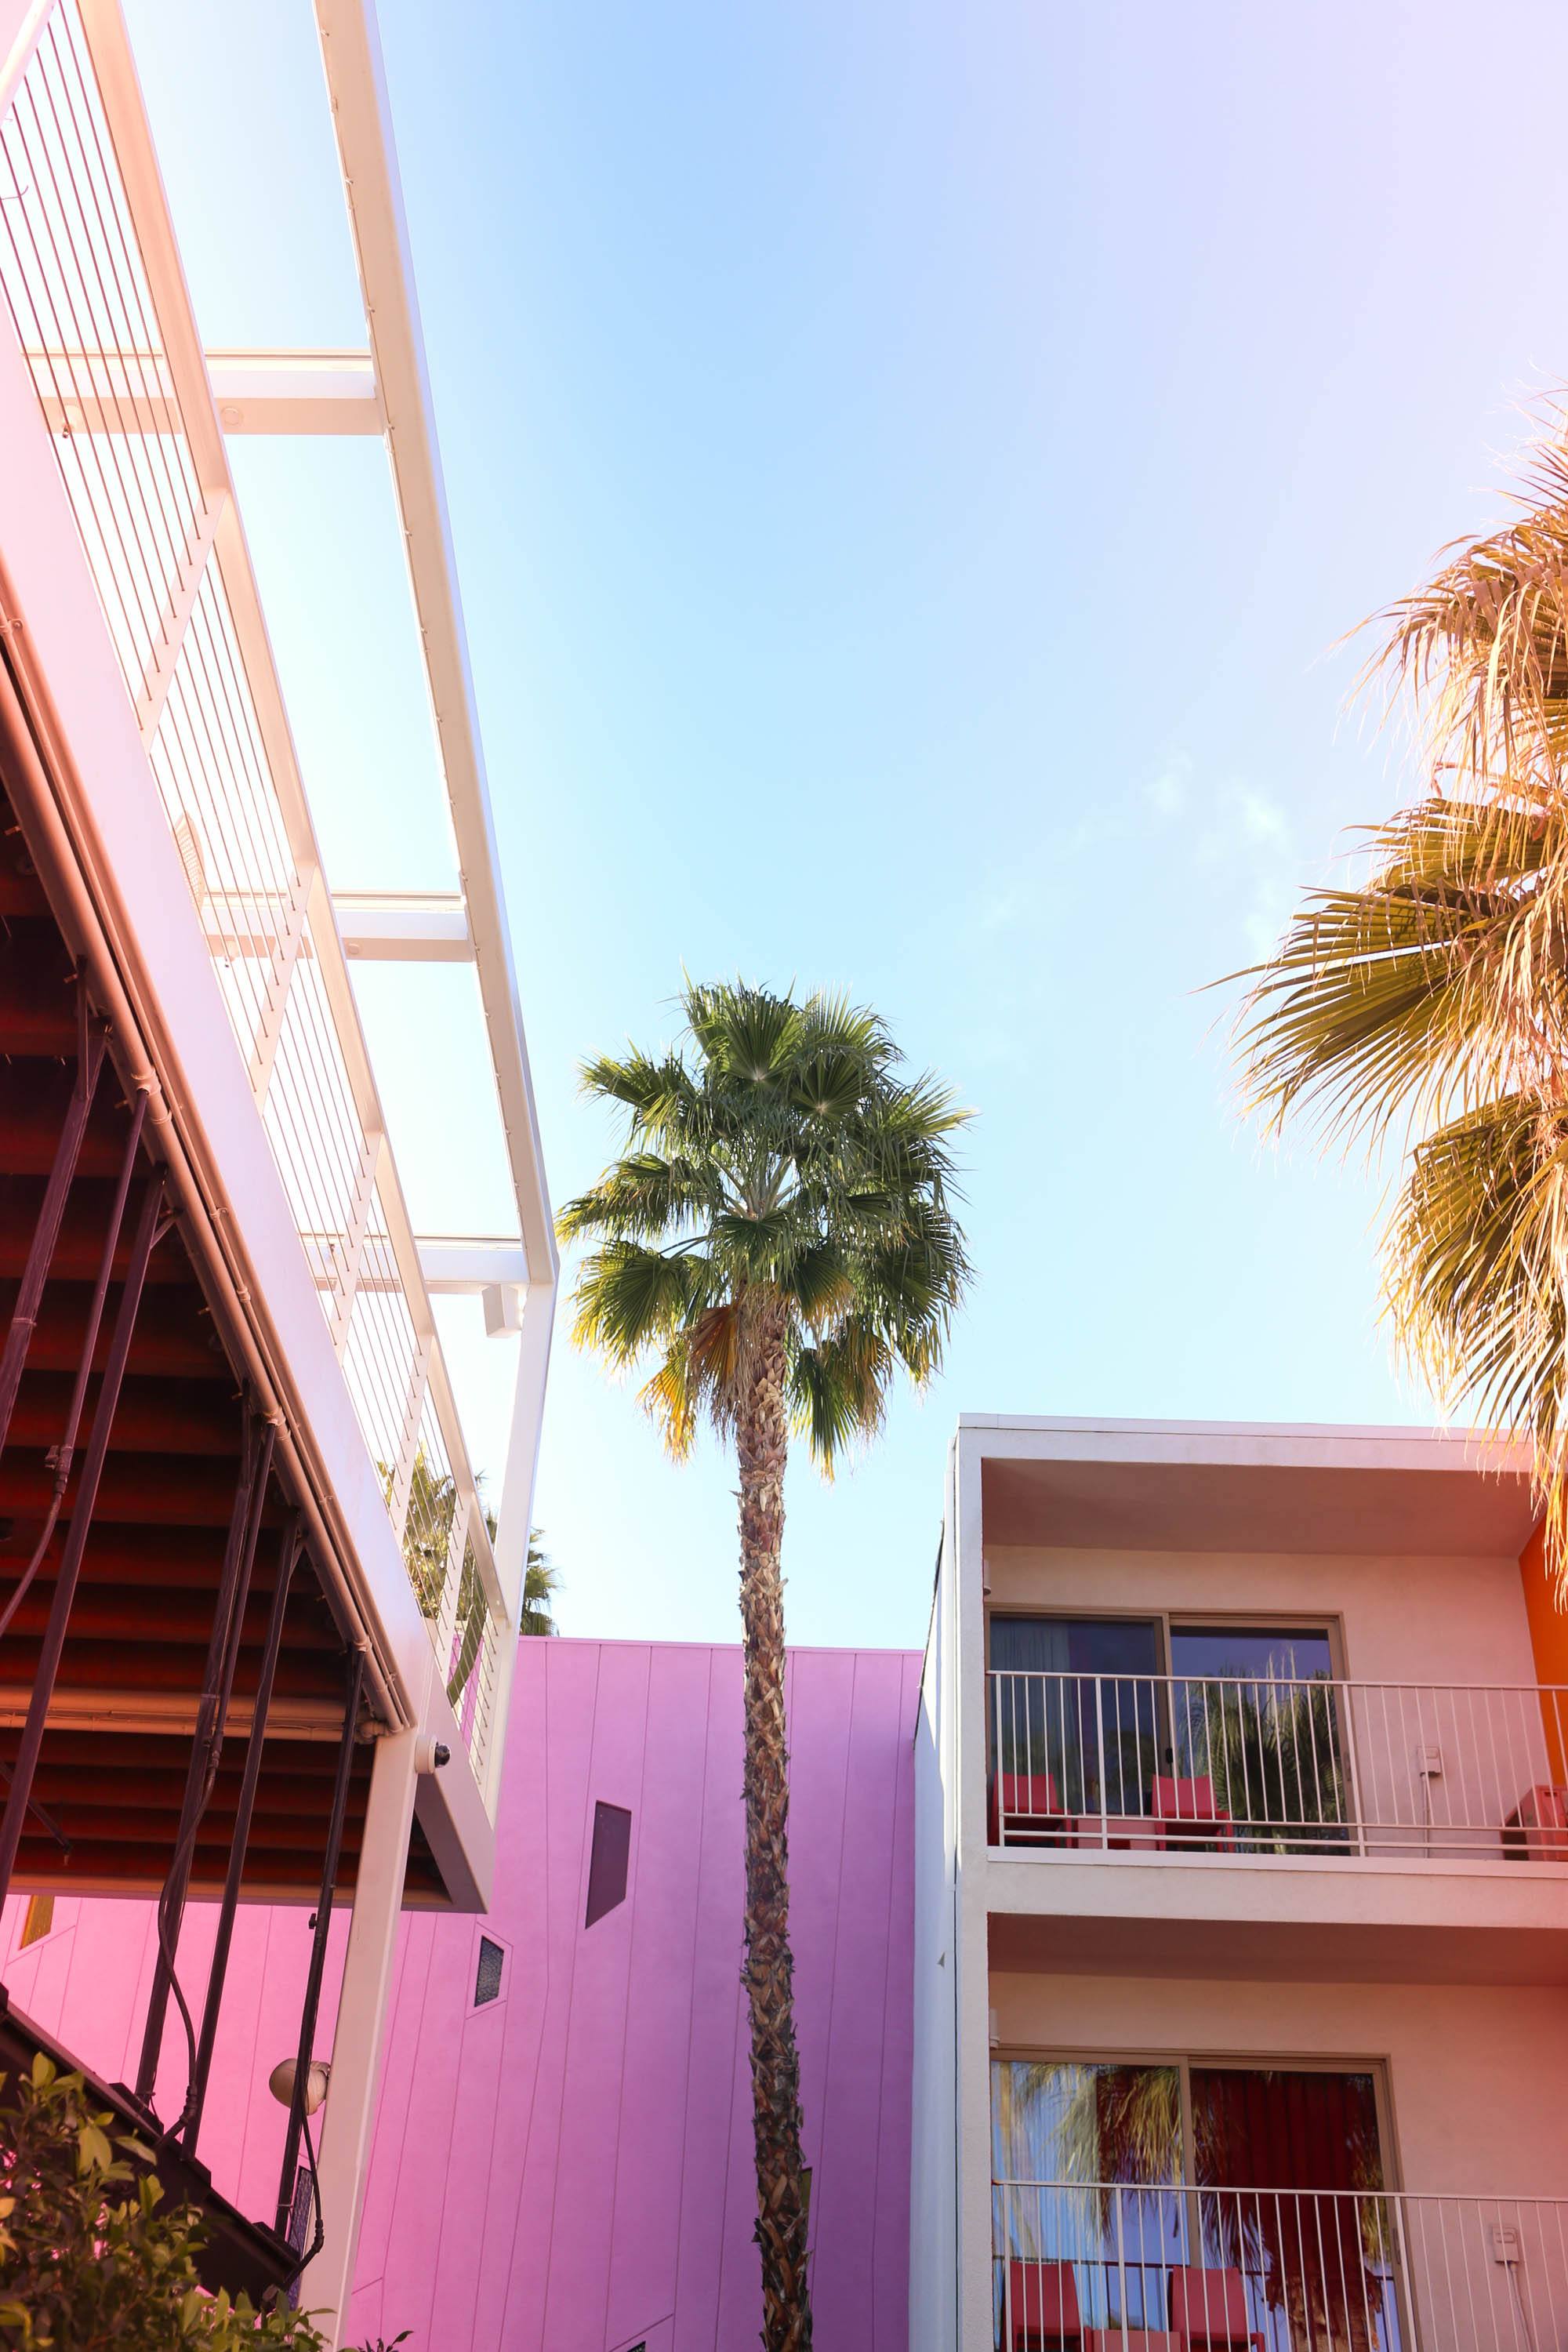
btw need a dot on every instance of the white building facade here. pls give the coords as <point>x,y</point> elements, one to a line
<point>1241,1970</point>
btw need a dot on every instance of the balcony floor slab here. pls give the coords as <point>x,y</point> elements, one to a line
<point>1279,1917</point>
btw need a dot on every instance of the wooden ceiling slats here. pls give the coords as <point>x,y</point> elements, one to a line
<point>80,1249</point>
<point>163,1666</point>
<point>175,1335</point>
<point>153,1415</point>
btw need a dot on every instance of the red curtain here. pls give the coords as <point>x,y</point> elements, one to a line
<point>1274,2129</point>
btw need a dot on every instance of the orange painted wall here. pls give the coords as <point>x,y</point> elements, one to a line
<point>1547,1637</point>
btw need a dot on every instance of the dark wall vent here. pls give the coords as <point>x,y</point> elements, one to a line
<point>488,1974</point>
<point>607,1864</point>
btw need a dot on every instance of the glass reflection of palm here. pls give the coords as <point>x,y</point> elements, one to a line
<point>1283,2186</point>
<point>1265,1733</point>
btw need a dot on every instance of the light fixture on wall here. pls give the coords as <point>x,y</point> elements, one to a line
<point>280,2083</point>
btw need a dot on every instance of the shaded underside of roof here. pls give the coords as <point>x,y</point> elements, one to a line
<point>112,1770</point>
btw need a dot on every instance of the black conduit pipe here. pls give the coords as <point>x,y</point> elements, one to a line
<point>207,1742</point>
<point>64,1453</point>
<point>26,1763</point>
<point>92,1040</point>
<point>319,1944</point>
<point>288,1557</point>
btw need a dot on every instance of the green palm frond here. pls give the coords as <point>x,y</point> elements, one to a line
<point>541,1582</point>
<point>628,1296</point>
<point>1439,980</point>
<point>1428,1001</point>
<point>783,1154</point>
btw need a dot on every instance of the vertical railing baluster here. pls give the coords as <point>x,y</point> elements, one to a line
<point>409,1439</point>
<point>350,1247</point>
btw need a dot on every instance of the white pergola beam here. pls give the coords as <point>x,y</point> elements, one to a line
<point>254,392</point>
<point>295,392</point>
<point>456,1266</point>
<point>418,927</point>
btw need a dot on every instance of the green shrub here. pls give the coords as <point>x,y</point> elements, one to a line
<point>91,2259</point>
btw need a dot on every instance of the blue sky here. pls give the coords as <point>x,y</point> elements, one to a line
<point>911,468</point>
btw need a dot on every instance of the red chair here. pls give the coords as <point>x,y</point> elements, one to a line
<point>1187,1810</point>
<point>1537,1829</point>
<point>1209,2308</point>
<point>1031,1812</point>
<point>1042,2308</point>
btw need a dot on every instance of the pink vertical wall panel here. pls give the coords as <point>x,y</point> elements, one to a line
<point>569,2167</point>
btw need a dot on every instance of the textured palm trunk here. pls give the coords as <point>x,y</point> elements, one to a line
<point>761,1443</point>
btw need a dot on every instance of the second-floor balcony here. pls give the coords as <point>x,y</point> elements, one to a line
<point>1247,1767</point>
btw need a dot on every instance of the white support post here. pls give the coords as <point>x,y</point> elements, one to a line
<point>970,1955</point>
<point>516,1514</point>
<point>20,26</point>
<point>409,1445</point>
<point>349,2116</point>
<point>186,588</point>
<point>285,956</point>
<point>347,1278</point>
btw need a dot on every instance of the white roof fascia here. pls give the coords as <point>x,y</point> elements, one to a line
<point>1308,1444</point>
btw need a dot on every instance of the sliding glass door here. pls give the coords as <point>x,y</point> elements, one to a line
<point>1090,2214</point>
<point>1255,1726</point>
<point>1138,2194</point>
<point>1078,1699</point>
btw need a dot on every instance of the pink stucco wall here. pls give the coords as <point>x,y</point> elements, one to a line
<point>569,2169</point>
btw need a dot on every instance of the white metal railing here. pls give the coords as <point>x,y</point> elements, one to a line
<point>93,277</point>
<point>1112,2268</point>
<point>1276,1763</point>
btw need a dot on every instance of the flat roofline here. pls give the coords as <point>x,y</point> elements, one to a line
<point>1420,1433</point>
<point>1486,1452</point>
<point>1091,1484</point>
<point>727,1649</point>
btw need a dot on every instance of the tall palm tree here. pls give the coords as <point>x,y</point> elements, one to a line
<point>775,1239</point>
<point>1427,1001</point>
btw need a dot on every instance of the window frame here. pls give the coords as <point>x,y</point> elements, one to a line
<point>1251,2062</point>
<point>484,1933</point>
<point>26,1943</point>
<point>1182,1619</point>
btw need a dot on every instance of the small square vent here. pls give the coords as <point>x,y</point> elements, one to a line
<point>488,1974</point>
